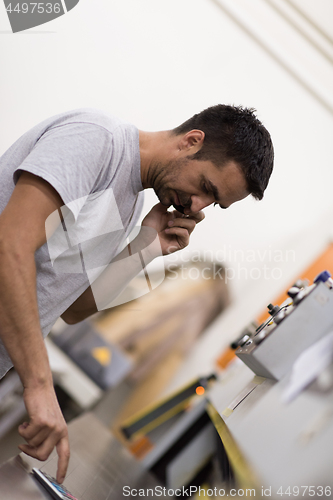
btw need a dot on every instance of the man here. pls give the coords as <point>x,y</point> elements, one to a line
<point>59,170</point>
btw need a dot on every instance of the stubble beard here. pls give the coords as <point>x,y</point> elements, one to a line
<point>165,182</point>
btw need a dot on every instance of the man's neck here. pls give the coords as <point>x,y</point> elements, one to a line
<point>155,149</point>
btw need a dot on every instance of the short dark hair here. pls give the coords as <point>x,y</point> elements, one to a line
<point>234,133</point>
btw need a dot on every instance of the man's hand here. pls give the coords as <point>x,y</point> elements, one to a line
<point>46,428</point>
<point>173,228</point>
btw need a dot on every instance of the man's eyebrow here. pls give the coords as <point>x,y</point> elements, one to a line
<point>215,193</point>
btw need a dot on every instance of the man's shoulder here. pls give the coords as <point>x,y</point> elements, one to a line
<point>90,116</point>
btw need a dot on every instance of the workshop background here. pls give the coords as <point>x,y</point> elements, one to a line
<point>155,63</point>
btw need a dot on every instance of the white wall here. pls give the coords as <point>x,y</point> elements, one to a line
<point>157,62</point>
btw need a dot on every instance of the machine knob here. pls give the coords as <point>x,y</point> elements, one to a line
<point>280,316</point>
<point>325,277</point>
<point>293,291</point>
<point>300,296</point>
<point>240,341</point>
<point>302,283</point>
<point>260,337</point>
<point>273,309</point>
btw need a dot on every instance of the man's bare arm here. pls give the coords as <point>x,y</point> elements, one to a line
<point>22,232</point>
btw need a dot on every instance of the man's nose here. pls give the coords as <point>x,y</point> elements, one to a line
<point>200,202</point>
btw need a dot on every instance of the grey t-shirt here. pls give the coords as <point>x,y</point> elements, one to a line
<point>93,161</point>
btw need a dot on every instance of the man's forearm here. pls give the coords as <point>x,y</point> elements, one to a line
<point>117,275</point>
<point>162,233</point>
<point>19,324</point>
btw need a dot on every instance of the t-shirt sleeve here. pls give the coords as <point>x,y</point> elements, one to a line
<point>71,158</point>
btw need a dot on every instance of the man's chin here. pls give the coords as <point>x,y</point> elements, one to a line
<point>165,204</point>
<point>167,201</point>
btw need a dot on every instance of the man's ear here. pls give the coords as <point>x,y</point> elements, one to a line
<point>192,141</point>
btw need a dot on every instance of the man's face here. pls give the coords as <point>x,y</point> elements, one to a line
<point>197,184</point>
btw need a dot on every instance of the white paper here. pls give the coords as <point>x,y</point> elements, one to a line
<point>311,363</point>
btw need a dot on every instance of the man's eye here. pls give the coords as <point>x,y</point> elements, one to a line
<point>205,188</point>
